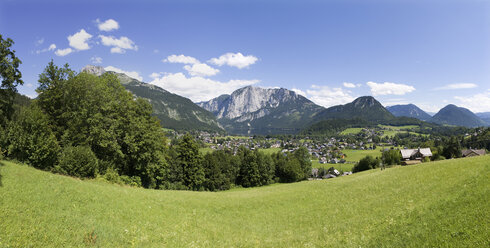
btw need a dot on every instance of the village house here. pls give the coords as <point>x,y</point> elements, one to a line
<point>473,152</point>
<point>415,154</point>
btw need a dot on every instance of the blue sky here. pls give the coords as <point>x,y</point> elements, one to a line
<point>430,53</point>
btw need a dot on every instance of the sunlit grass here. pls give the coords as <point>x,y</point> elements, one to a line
<point>437,204</point>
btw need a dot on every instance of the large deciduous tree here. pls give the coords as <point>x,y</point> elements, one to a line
<point>10,76</point>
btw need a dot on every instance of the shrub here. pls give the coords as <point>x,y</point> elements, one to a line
<point>366,163</point>
<point>78,161</point>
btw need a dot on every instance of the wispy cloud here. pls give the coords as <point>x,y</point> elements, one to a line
<point>200,69</point>
<point>477,103</point>
<point>457,86</point>
<point>96,60</point>
<point>133,74</point>
<point>182,59</point>
<point>63,52</point>
<point>118,45</point>
<point>388,88</point>
<point>51,47</point>
<point>237,60</point>
<point>327,97</point>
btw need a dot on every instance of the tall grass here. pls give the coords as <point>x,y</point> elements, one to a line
<point>437,204</point>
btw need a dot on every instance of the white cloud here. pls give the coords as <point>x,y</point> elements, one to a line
<point>132,74</point>
<point>349,85</point>
<point>181,59</point>
<point>108,25</point>
<point>198,88</point>
<point>40,42</point>
<point>156,51</point>
<point>117,50</point>
<point>29,85</point>
<point>476,103</point>
<point>299,92</point>
<point>327,97</point>
<point>388,88</point>
<point>234,59</point>
<point>50,48</point>
<point>201,70</point>
<point>429,107</point>
<point>394,101</point>
<point>155,75</point>
<point>457,86</point>
<point>79,40</point>
<point>63,52</point>
<point>96,60</point>
<point>118,45</point>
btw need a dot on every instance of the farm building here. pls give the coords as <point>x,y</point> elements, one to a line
<point>473,152</point>
<point>415,154</point>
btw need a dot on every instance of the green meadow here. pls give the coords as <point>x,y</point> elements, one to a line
<point>436,204</point>
<point>356,155</point>
<point>343,167</point>
<point>351,130</point>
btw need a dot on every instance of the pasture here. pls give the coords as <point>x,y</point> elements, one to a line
<point>436,204</point>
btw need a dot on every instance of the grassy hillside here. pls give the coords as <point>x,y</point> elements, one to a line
<point>439,204</point>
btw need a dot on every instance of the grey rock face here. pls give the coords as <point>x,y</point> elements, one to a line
<point>95,70</point>
<point>247,100</point>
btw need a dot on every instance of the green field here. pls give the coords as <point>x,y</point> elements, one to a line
<point>356,155</point>
<point>270,150</point>
<point>438,204</point>
<point>352,130</point>
<point>343,167</point>
<point>398,127</point>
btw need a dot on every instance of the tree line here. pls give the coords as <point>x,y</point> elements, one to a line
<point>87,126</point>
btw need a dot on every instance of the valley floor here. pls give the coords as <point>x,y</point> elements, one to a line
<point>437,204</point>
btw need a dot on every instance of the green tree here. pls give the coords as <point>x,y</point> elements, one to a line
<point>256,168</point>
<point>86,110</point>
<point>391,157</point>
<point>220,169</point>
<point>366,163</point>
<point>10,76</point>
<point>288,168</point>
<point>452,149</point>
<point>190,160</point>
<point>31,140</point>
<point>78,161</point>
<point>304,159</point>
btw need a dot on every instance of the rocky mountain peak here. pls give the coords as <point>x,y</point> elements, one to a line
<point>94,70</point>
<point>365,101</point>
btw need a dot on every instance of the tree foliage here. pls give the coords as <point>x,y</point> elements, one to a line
<point>366,163</point>
<point>95,112</point>
<point>10,76</point>
<point>31,140</point>
<point>391,157</point>
<point>78,161</point>
<point>189,160</point>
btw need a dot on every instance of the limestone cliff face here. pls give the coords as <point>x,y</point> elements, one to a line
<point>255,108</point>
<point>248,100</point>
<point>95,70</point>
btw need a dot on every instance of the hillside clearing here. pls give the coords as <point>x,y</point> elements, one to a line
<point>438,204</point>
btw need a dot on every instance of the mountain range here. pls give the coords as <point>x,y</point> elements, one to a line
<point>173,111</point>
<point>409,110</point>
<point>255,110</point>
<point>262,111</point>
<point>458,116</point>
